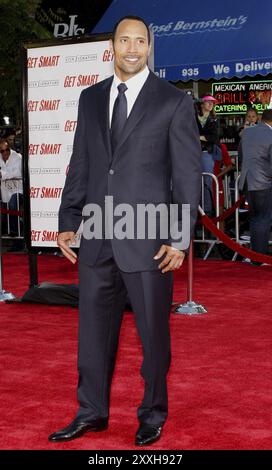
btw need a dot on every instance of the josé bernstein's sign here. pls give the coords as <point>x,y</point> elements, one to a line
<point>237,97</point>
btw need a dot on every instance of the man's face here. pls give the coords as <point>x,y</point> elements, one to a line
<point>5,151</point>
<point>130,48</point>
<point>11,139</point>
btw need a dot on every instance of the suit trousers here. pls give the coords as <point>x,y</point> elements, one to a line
<point>260,210</point>
<point>103,290</point>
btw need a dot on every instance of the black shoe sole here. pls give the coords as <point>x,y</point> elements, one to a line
<point>139,444</point>
<point>80,434</point>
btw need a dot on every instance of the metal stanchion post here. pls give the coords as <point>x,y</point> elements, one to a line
<point>237,231</point>
<point>3,295</point>
<point>213,242</point>
<point>190,307</point>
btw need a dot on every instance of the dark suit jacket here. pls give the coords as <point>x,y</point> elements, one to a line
<point>256,153</point>
<point>159,151</point>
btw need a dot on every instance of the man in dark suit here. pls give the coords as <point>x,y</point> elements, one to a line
<point>256,179</point>
<point>136,141</point>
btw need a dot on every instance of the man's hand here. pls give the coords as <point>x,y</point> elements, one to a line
<point>65,239</point>
<point>173,259</point>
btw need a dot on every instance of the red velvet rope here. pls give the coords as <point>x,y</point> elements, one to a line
<point>236,247</point>
<point>7,211</point>
<point>229,211</point>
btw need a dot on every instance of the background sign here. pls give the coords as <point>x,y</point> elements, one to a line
<point>56,76</point>
<point>237,97</point>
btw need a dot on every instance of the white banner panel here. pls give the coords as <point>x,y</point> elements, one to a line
<point>56,76</point>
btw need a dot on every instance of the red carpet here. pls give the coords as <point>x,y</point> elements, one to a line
<point>220,380</point>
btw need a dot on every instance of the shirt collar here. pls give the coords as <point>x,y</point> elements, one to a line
<point>135,81</point>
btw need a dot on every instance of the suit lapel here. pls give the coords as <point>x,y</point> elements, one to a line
<point>103,111</point>
<point>138,111</point>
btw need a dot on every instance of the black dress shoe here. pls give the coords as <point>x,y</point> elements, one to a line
<point>77,429</point>
<point>146,435</point>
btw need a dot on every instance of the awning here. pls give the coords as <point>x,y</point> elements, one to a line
<point>203,40</point>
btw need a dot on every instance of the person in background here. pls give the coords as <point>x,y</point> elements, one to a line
<point>251,119</point>
<point>11,181</point>
<point>10,138</point>
<point>221,168</point>
<point>14,139</point>
<point>209,137</point>
<point>256,179</point>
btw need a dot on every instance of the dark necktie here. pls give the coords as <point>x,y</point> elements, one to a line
<point>119,116</point>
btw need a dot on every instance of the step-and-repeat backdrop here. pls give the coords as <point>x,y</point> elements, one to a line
<point>56,76</point>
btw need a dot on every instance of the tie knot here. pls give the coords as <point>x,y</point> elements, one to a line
<point>122,88</point>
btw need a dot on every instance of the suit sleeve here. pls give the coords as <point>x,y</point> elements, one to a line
<point>270,160</point>
<point>240,151</point>
<point>185,151</point>
<point>75,188</point>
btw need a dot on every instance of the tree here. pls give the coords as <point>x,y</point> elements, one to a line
<point>17,25</point>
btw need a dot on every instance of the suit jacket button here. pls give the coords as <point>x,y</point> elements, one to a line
<point>111,172</point>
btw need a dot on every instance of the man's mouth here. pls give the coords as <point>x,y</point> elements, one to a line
<point>131,60</point>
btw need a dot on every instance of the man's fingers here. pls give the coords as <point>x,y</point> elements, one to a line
<point>175,262</point>
<point>64,245</point>
<point>161,252</point>
<point>69,257</point>
<point>170,266</point>
<point>68,253</point>
<point>173,259</point>
<point>177,265</point>
<point>180,263</point>
<point>68,250</point>
<point>64,240</point>
<point>165,261</point>
<point>73,240</point>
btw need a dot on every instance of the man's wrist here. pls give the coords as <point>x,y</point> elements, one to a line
<point>182,251</point>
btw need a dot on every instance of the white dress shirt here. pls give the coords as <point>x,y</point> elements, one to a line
<point>11,179</point>
<point>134,85</point>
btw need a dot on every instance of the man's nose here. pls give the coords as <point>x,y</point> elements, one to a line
<point>132,46</point>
